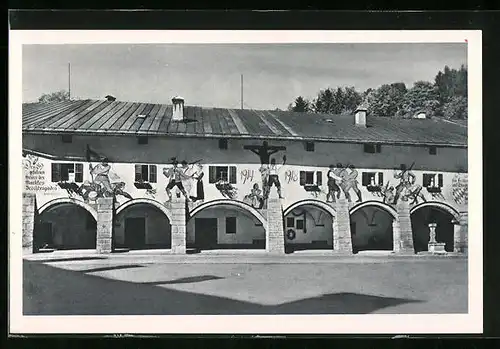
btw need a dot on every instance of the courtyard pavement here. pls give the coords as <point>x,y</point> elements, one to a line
<point>156,284</point>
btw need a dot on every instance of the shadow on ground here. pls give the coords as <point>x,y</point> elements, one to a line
<point>187,280</point>
<point>63,292</point>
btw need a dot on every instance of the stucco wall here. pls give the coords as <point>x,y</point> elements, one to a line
<point>318,224</point>
<point>248,228</point>
<point>69,226</point>
<point>158,228</point>
<point>371,222</point>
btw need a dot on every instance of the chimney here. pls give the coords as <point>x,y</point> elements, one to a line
<point>360,116</point>
<point>177,108</point>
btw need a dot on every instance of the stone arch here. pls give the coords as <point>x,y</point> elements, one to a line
<point>154,203</point>
<point>239,204</point>
<point>80,203</point>
<point>320,204</point>
<point>389,209</point>
<point>439,205</point>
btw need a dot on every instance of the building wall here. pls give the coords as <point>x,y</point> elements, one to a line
<point>158,228</point>
<point>318,226</point>
<point>248,228</point>
<point>72,227</point>
<point>373,229</point>
<point>124,153</point>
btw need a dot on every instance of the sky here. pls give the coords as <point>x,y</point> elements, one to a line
<point>209,75</point>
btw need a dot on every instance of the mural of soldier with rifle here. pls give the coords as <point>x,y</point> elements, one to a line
<point>407,187</point>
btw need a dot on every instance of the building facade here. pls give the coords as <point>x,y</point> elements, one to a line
<point>112,175</point>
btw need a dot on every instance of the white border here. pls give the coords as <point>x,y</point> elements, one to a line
<point>320,324</point>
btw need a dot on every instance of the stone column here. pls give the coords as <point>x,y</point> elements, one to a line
<point>178,224</point>
<point>29,211</point>
<point>104,225</point>
<point>342,240</point>
<point>461,233</point>
<point>402,232</point>
<point>275,233</point>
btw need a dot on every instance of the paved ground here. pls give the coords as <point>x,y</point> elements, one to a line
<point>239,284</point>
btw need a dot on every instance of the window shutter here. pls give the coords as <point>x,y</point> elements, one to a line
<point>319,178</point>
<point>380,178</point>
<point>78,173</point>
<point>426,180</point>
<point>138,173</point>
<point>378,148</point>
<point>232,174</point>
<point>56,172</point>
<point>440,180</point>
<point>302,178</point>
<point>212,174</point>
<point>152,173</point>
<point>365,179</point>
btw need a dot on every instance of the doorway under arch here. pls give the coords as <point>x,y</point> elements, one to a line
<point>308,226</point>
<point>64,226</point>
<point>372,228</point>
<point>142,225</point>
<point>420,220</point>
<point>225,226</point>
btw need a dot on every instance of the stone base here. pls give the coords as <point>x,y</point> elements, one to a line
<point>436,247</point>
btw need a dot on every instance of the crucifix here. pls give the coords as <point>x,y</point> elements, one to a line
<point>264,151</point>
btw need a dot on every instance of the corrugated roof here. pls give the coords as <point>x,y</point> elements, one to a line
<point>117,117</point>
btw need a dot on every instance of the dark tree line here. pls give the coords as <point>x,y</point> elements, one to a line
<point>446,97</point>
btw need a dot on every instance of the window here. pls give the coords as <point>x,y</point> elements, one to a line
<point>299,224</point>
<point>372,148</point>
<point>433,150</point>
<point>372,179</point>
<point>225,173</point>
<point>290,222</point>
<point>308,178</point>
<point>64,172</point>
<point>67,138</point>
<point>223,143</point>
<point>309,146</point>
<point>145,173</point>
<point>230,225</point>
<point>142,140</point>
<point>431,180</point>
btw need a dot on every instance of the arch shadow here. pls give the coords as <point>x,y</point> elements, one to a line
<point>319,204</point>
<point>379,204</point>
<point>220,202</point>
<point>77,202</point>
<point>439,205</point>
<point>146,201</point>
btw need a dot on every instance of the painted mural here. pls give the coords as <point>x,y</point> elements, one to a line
<point>460,188</point>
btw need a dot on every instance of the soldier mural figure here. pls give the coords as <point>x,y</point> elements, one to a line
<point>176,175</point>
<point>264,151</point>
<point>349,180</point>
<point>255,197</point>
<point>407,187</point>
<point>332,184</point>
<point>274,176</point>
<point>100,175</point>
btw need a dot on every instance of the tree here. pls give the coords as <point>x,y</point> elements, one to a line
<point>387,100</point>
<point>423,96</point>
<point>301,105</point>
<point>58,96</point>
<point>337,101</point>
<point>456,108</point>
<point>451,84</point>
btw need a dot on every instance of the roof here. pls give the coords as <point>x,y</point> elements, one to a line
<point>100,117</point>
